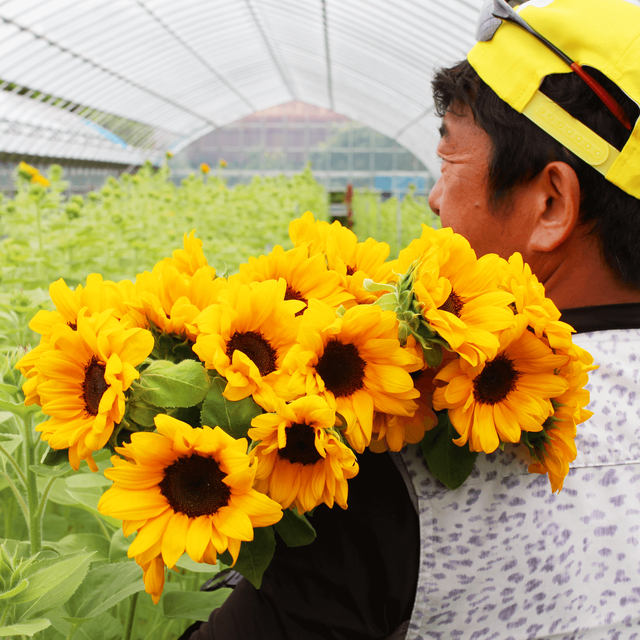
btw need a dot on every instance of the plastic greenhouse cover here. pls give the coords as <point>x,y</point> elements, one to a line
<point>158,74</point>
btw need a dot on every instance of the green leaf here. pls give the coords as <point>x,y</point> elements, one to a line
<point>54,457</point>
<point>187,563</point>
<point>54,598</point>
<point>193,605</point>
<point>254,556</point>
<point>104,587</point>
<point>233,417</point>
<point>165,384</point>
<point>19,409</point>
<point>50,573</point>
<point>142,413</point>
<point>87,541</point>
<point>10,442</point>
<point>49,472</point>
<point>25,629</point>
<point>295,530</point>
<point>448,462</point>
<point>11,389</point>
<point>102,627</point>
<point>118,547</point>
<point>21,586</point>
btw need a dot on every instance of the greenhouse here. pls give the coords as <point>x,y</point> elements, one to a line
<point>319,319</point>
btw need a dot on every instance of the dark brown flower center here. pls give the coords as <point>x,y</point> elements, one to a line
<point>73,325</point>
<point>256,348</point>
<point>193,486</point>
<point>94,386</point>
<point>341,368</point>
<point>497,380</point>
<point>293,294</point>
<point>350,271</point>
<point>453,304</point>
<point>300,445</point>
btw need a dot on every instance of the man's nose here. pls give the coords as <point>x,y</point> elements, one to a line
<point>434,197</point>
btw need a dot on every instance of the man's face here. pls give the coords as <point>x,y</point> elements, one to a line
<point>461,198</point>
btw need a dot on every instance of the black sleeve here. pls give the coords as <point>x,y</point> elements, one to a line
<point>356,581</point>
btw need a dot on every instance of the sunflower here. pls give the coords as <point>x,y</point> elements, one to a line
<point>184,489</point>
<point>306,277</point>
<point>307,230</point>
<point>246,336</point>
<point>82,380</point>
<point>96,296</point>
<point>541,314</point>
<point>355,261</point>
<point>391,433</point>
<point>301,459</point>
<point>554,448</point>
<point>459,294</point>
<point>170,300</point>
<point>354,361</point>
<point>191,258</point>
<point>513,392</point>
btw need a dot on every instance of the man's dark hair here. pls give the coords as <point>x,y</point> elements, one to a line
<point>521,150</point>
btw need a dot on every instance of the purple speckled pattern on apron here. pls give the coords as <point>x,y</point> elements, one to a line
<point>502,558</point>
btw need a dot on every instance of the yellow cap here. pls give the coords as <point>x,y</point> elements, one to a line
<point>603,34</point>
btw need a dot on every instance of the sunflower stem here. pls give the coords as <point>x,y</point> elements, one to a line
<point>43,499</point>
<point>130,617</point>
<point>35,531</point>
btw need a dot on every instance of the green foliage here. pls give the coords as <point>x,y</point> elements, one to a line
<point>234,417</point>
<point>165,384</point>
<point>254,556</point>
<point>447,461</point>
<point>295,530</point>
<point>396,222</point>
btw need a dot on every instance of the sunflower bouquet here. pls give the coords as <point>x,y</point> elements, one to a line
<point>234,406</point>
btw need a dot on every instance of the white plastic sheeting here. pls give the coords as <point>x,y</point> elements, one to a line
<point>138,77</point>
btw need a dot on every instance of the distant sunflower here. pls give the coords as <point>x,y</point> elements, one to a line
<point>356,362</point>
<point>356,261</point>
<point>184,489</point>
<point>511,394</point>
<point>555,448</point>
<point>246,336</point>
<point>307,277</point>
<point>82,382</point>
<point>191,258</point>
<point>459,293</point>
<point>301,459</point>
<point>307,230</point>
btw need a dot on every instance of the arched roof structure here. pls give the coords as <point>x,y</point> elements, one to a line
<point>135,78</point>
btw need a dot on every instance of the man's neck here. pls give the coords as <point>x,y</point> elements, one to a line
<point>580,278</point>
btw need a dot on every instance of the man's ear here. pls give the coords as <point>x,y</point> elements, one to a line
<point>557,204</point>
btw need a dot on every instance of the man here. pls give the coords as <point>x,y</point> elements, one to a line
<point>502,557</point>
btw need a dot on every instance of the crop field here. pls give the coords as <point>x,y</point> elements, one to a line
<point>81,584</point>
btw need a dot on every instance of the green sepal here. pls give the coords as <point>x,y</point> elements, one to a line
<point>254,556</point>
<point>295,530</point>
<point>448,462</point>
<point>166,384</point>
<point>370,285</point>
<point>234,417</point>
